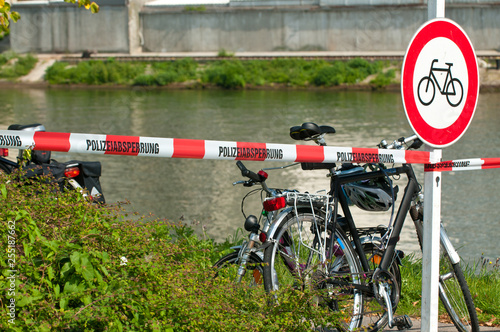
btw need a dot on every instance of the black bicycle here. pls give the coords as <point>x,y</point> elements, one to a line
<point>316,245</point>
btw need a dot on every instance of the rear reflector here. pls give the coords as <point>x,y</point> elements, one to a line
<point>275,203</point>
<point>72,172</point>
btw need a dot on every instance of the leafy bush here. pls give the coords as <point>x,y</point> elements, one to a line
<point>224,54</point>
<point>175,71</point>
<point>384,79</point>
<point>349,72</point>
<point>82,267</point>
<point>144,80</point>
<point>21,66</point>
<point>94,72</point>
<point>226,74</point>
<point>330,75</point>
<point>6,56</point>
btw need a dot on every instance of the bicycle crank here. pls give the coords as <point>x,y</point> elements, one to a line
<point>386,290</point>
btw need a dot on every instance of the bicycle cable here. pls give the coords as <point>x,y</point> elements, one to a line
<point>245,197</point>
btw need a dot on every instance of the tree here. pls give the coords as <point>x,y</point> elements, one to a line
<point>6,15</point>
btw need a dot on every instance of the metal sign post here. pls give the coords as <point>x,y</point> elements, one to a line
<point>439,88</point>
<point>432,218</point>
<point>430,252</point>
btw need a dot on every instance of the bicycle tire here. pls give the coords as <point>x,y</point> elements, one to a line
<point>426,78</point>
<point>295,246</point>
<point>4,169</point>
<point>228,266</point>
<point>454,292</point>
<point>456,88</point>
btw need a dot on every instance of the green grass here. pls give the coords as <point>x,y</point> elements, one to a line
<point>483,279</point>
<point>229,73</point>
<point>94,72</point>
<point>70,273</point>
<point>13,65</point>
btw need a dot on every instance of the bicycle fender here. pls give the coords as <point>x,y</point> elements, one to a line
<point>275,225</point>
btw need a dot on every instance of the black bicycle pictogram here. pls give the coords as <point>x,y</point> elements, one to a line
<point>452,87</point>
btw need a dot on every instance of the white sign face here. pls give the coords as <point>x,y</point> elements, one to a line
<point>440,82</point>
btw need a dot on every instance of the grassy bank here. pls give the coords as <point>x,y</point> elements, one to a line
<point>227,74</point>
<point>91,268</point>
<point>483,279</point>
<point>13,65</point>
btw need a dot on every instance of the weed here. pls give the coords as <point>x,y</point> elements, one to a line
<point>20,65</point>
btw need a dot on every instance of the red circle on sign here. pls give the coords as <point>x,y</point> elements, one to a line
<point>439,137</point>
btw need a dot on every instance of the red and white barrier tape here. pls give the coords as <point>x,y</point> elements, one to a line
<point>463,165</point>
<point>202,149</point>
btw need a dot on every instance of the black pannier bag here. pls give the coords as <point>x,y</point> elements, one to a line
<point>40,157</point>
<point>90,179</point>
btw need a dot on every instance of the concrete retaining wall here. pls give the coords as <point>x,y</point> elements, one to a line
<point>58,27</point>
<point>122,27</point>
<point>359,28</point>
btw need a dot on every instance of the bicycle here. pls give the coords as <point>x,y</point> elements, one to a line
<point>81,176</point>
<point>314,246</point>
<point>452,87</point>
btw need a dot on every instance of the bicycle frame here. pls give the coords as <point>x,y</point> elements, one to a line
<point>448,77</point>
<point>411,189</point>
<point>376,278</point>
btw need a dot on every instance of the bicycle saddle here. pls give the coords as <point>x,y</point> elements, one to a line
<point>309,130</point>
<point>34,127</point>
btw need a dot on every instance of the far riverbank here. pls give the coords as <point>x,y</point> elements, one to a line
<point>245,71</point>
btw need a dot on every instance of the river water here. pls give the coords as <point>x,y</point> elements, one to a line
<point>200,192</point>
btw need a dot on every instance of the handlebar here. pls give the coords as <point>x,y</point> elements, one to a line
<point>249,174</point>
<point>399,143</point>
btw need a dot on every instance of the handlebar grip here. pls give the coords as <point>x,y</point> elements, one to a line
<point>247,173</point>
<point>416,144</point>
<point>312,166</point>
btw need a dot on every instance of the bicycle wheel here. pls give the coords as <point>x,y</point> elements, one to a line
<point>4,169</point>
<point>455,296</point>
<point>296,260</point>
<point>427,91</point>
<point>227,268</point>
<point>454,92</point>
<point>453,290</point>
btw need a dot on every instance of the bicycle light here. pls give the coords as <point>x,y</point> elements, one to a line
<point>275,203</point>
<point>252,224</point>
<point>72,172</point>
<point>263,174</point>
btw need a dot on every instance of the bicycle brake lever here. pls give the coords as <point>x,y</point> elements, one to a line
<point>238,182</point>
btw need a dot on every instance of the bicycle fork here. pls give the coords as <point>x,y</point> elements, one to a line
<point>246,250</point>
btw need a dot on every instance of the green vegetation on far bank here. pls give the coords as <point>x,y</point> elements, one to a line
<point>227,74</point>
<point>13,65</point>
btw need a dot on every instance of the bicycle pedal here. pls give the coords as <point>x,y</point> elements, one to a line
<point>403,322</point>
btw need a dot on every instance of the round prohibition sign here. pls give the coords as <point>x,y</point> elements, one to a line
<point>440,82</point>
